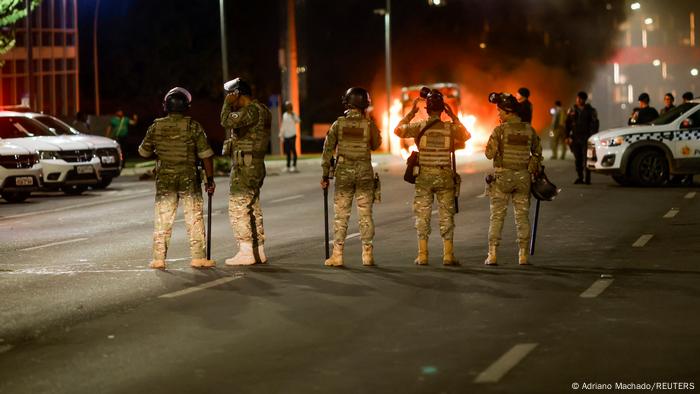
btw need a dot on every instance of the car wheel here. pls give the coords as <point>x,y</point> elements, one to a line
<point>104,183</point>
<point>622,180</point>
<point>650,168</point>
<point>74,190</point>
<point>15,197</point>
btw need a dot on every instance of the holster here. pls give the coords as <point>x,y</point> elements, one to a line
<point>377,188</point>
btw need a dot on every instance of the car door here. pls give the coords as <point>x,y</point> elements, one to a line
<point>687,144</point>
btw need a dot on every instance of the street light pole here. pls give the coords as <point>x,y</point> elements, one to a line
<point>224,51</point>
<point>95,59</point>
<point>387,46</point>
<point>30,54</point>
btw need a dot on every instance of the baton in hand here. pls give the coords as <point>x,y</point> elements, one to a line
<point>325,219</point>
<point>534,229</point>
<point>209,228</point>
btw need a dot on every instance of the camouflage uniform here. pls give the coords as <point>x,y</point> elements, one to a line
<point>177,141</point>
<point>248,131</point>
<point>516,152</point>
<point>354,136</point>
<point>435,176</point>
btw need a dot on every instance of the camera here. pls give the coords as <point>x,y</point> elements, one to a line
<point>424,92</point>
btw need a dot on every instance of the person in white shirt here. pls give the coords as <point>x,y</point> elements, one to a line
<point>288,135</point>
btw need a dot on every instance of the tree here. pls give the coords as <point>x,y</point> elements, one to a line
<point>10,12</point>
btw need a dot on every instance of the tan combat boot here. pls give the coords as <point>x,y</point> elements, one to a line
<point>157,264</point>
<point>261,254</point>
<point>491,258</point>
<point>448,256</point>
<point>244,255</point>
<point>367,254</point>
<point>202,263</point>
<point>522,256</point>
<point>422,258</point>
<point>336,259</point>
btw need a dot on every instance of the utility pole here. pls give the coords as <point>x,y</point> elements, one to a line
<point>95,58</point>
<point>224,42</point>
<point>292,65</point>
<point>30,54</point>
<point>387,45</point>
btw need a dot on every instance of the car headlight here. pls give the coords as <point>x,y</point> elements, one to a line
<point>48,155</point>
<point>613,141</point>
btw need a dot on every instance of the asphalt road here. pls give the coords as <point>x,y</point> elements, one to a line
<point>612,297</point>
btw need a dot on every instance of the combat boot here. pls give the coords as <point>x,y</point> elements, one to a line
<point>336,259</point>
<point>157,264</point>
<point>448,256</point>
<point>244,255</point>
<point>522,256</point>
<point>367,254</point>
<point>262,259</point>
<point>202,263</point>
<point>422,258</point>
<point>491,258</point>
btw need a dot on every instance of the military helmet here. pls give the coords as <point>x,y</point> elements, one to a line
<point>357,98</point>
<point>434,101</point>
<point>504,101</point>
<point>239,87</point>
<point>542,189</point>
<point>177,100</point>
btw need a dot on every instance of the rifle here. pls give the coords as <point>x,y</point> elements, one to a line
<point>325,207</point>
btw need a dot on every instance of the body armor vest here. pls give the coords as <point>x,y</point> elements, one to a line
<point>353,138</point>
<point>174,145</point>
<point>517,143</point>
<point>257,140</point>
<point>435,146</point>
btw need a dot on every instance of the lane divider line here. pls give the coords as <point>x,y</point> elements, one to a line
<point>671,213</point>
<point>85,205</point>
<point>642,240</point>
<point>70,241</point>
<point>690,195</point>
<point>505,363</point>
<point>5,348</point>
<point>350,236</point>
<point>203,286</point>
<point>295,197</point>
<point>597,288</point>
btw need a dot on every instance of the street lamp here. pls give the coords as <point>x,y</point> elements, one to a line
<point>694,72</point>
<point>386,12</point>
<point>224,51</point>
<point>95,59</point>
<point>635,6</point>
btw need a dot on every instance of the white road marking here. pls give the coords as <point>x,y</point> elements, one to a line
<point>597,288</point>
<point>642,240</point>
<point>70,241</point>
<point>690,195</point>
<point>201,287</point>
<point>295,197</point>
<point>50,271</point>
<point>5,348</point>
<point>350,236</point>
<point>671,213</point>
<point>505,363</point>
<point>84,205</point>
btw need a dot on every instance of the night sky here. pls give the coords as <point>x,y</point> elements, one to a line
<point>146,47</point>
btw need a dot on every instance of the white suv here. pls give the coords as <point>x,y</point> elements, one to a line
<point>107,149</point>
<point>69,165</point>
<point>648,155</point>
<point>20,172</point>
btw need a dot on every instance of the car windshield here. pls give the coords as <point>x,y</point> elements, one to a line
<point>60,127</point>
<point>673,114</point>
<point>20,127</point>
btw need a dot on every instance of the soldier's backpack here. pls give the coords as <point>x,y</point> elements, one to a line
<point>412,161</point>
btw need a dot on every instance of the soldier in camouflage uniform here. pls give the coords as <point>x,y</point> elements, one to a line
<point>436,176</point>
<point>247,123</point>
<point>517,155</point>
<point>178,141</point>
<point>353,136</point>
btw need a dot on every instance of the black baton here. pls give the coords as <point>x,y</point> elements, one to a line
<point>209,228</point>
<point>534,229</point>
<point>325,218</point>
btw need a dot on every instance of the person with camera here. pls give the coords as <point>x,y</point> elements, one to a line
<point>516,152</point>
<point>178,141</point>
<point>436,141</point>
<point>349,143</point>
<point>248,124</point>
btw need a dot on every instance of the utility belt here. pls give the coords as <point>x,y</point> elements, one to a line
<point>245,158</point>
<point>343,159</point>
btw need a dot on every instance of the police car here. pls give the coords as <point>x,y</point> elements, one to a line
<point>648,155</point>
<point>20,172</point>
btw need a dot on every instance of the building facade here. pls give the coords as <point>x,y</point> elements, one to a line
<point>54,39</point>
